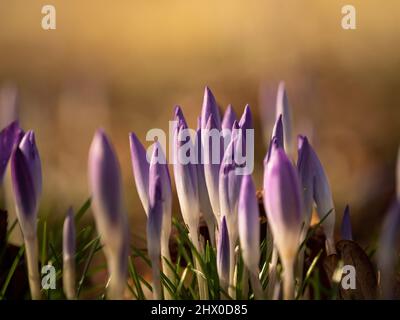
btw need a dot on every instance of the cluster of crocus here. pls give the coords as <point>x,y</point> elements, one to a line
<point>211,184</point>
<point>209,187</point>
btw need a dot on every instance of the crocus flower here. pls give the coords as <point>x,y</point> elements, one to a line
<point>345,229</point>
<point>209,108</point>
<point>9,136</point>
<point>229,118</point>
<point>69,246</point>
<point>185,173</point>
<point>109,212</point>
<point>154,225</point>
<point>229,188</point>
<point>223,256</point>
<point>159,169</point>
<point>140,167</point>
<point>246,121</point>
<point>249,232</point>
<point>26,176</point>
<point>388,250</point>
<point>283,108</point>
<point>212,161</point>
<point>316,188</point>
<point>204,199</point>
<point>283,203</point>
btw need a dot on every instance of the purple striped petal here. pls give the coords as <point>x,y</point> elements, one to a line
<point>140,167</point>
<point>249,223</point>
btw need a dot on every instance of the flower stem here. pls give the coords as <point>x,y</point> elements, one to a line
<point>288,279</point>
<point>155,267</point>
<point>69,278</point>
<point>203,290</point>
<point>165,254</point>
<point>33,267</point>
<point>256,284</point>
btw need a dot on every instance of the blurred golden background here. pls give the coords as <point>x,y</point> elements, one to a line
<point>123,65</point>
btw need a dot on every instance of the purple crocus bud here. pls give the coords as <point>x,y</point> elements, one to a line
<point>154,227</point>
<point>316,188</point>
<point>205,205</point>
<point>246,121</point>
<point>159,170</point>
<point>213,152</point>
<point>9,136</point>
<point>345,229</point>
<point>106,188</point>
<point>283,203</point>
<point>305,170</point>
<point>27,182</point>
<point>223,255</point>
<point>249,232</point>
<point>229,118</point>
<point>229,189</point>
<point>283,108</point>
<point>388,250</point>
<point>185,173</point>
<point>210,107</point>
<point>69,246</point>
<point>140,167</point>
<point>249,224</point>
<point>28,148</point>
